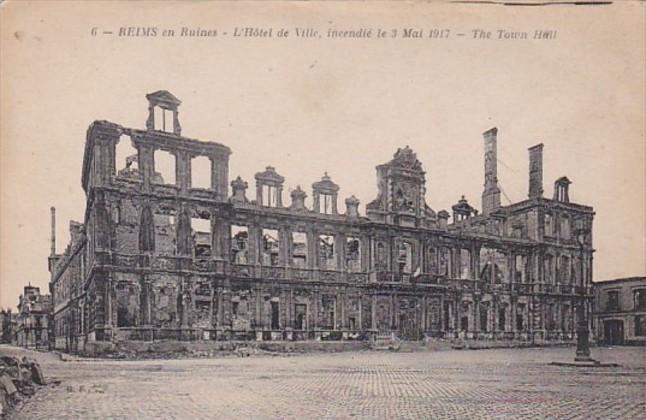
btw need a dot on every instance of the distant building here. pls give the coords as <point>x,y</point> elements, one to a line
<point>170,249</point>
<point>32,321</point>
<point>620,311</point>
<point>7,323</point>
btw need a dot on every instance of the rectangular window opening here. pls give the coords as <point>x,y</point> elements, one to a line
<point>299,249</point>
<point>353,254</point>
<point>201,230</point>
<point>270,247</point>
<point>239,244</point>
<point>327,252</point>
<point>201,172</point>
<point>164,167</point>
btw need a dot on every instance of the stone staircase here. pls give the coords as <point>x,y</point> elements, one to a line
<point>386,342</point>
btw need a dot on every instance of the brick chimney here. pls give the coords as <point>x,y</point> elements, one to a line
<point>491,193</point>
<point>52,251</point>
<point>536,171</point>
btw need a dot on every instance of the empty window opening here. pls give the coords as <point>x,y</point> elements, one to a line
<point>405,258</point>
<point>353,254</point>
<point>549,269</point>
<point>126,160</point>
<point>445,262</point>
<point>327,252</point>
<point>326,203</point>
<point>564,269</point>
<point>201,172</point>
<point>549,228</point>
<point>446,316</point>
<point>521,268</point>
<point>640,299</point>
<point>164,164</point>
<point>519,320</point>
<point>201,232</point>
<point>239,244</point>
<point>613,300</point>
<point>164,119</point>
<point>299,249</point>
<point>551,317</point>
<point>464,323</point>
<point>502,319</point>
<point>565,318</point>
<point>165,233</point>
<point>484,320</point>
<point>352,323</point>
<point>640,326</point>
<point>431,261</point>
<point>382,261</point>
<point>328,303</point>
<point>493,265</point>
<point>126,302</point>
<point>301,316</point>
<point>565,227</point>
<point>269,196</point>
<point>270,247</point>
<point>465,263</point>
<point>275,314</point>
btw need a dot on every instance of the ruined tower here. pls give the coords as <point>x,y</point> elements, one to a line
<point>491,193</point>
<point>536,171</point>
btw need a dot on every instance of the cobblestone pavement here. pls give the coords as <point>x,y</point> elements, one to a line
<point>443,384</point>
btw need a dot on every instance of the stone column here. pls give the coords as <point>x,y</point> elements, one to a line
<point>258,310</point>
<point>183,171</point>
<point>108,321</point>
<point>220,314</point>
<point>284,236</point>
<point>146,165</point>
<point>316,297</point>
<point>339,244</point>
<point>476,315</point>
<point>513,309</point>
<point>279,196</point>
<point>312,249</point>
<point>342,301</point>
<point>373,311</point>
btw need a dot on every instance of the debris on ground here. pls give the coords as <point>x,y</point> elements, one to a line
<point>19,379</point>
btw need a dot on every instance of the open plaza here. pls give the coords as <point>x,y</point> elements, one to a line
<point>483,384</point>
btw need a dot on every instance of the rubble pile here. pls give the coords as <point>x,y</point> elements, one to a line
<point>18,381</point>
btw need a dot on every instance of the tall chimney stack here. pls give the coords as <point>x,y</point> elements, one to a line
<point>536,171</point>
<point>53,249</point>
<point>491,193</point>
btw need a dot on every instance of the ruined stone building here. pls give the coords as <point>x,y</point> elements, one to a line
<point>159,256</point>
<point>32,326</point>
<point>7,325</point>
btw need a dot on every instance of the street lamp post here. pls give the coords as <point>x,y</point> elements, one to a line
<point>582,343</point>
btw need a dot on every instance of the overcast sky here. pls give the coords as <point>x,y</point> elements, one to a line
<point>307,106</point>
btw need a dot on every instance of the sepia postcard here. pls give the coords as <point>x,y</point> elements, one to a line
<point>322,209</point>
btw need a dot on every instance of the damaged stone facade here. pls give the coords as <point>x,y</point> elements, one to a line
<point>158,257</point>
<point>32,327</point>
